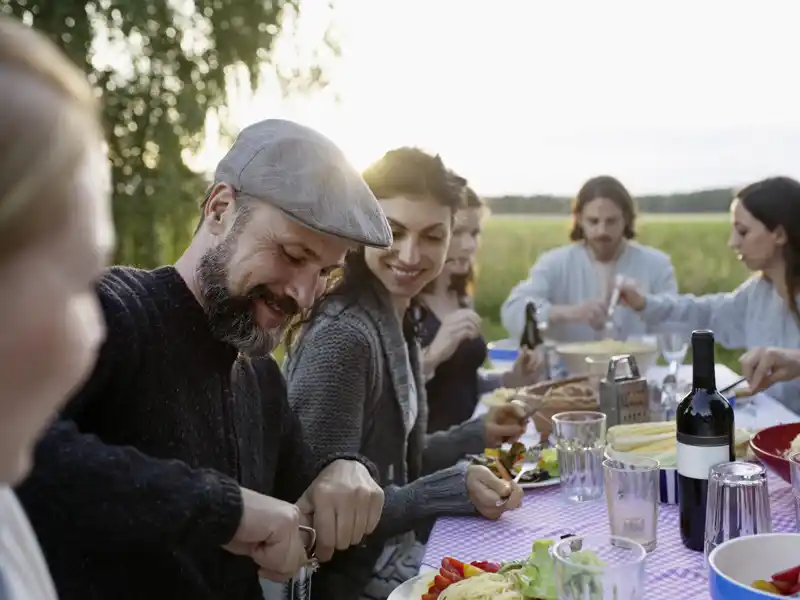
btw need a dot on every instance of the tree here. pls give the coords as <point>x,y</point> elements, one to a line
<point>161,66</point>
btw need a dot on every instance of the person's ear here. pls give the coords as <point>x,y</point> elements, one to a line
<point>220,205</point>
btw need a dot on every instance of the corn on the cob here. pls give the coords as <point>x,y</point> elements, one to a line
<point>657,440</point>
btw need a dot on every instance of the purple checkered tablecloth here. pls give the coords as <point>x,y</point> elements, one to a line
<point>673,572</point>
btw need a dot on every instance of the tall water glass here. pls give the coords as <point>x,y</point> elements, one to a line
<point>737,504</point>
<point>631,487</point>
<point>599,567</point>
<point>580,443</point>
<point>794,463</point>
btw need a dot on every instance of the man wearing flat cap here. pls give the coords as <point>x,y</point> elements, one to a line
<point>168,475</point>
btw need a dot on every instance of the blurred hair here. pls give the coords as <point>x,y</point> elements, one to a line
<point>49,115</point>
<point>603,186</point>
<point>464,285</point>
<point>775,202</point>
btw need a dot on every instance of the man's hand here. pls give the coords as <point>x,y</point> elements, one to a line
<point>763,367</point>
<point>344,503</point>
<point>505,423</point>
<point>630,295</point>
<point>269,533</point>
<point>456,327</point>
<point>591,312</point>
<point>491,495</point>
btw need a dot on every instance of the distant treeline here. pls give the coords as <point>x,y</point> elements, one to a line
<point>703,201</point>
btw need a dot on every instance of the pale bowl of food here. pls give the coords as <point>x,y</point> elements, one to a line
<point>574,355</point>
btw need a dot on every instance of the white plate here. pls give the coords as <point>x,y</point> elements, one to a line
<point>540,484</point>
<point>414,588</point>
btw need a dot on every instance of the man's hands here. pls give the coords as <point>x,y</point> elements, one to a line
<point>456,327</point>
<point>269,533</point>
<point>505,423</point>
<point>344,503</point>
<point>763,367</point>
<point>491,495</point>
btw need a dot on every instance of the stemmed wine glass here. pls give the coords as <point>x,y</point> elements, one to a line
<point>673,343</point>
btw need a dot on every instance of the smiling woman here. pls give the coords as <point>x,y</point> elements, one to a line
<point>355,382</point>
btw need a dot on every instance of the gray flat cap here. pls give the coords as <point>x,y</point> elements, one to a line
<point>306,175</point>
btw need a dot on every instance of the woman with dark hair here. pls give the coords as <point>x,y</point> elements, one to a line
<point>571,286</point>
<point>356,383</point>
<point>763,311</point>
<point>453,348</point>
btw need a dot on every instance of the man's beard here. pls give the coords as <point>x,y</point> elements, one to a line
<point>230,316</point>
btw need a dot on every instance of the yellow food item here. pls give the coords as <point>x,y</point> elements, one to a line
<point>765,586</point>
<point>490,586</point>
<point>471,570</point>
<point>610,347</point>
<point>658,440</point>
<point>500,396</point>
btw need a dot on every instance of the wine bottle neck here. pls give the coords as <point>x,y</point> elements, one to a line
<point>703,376</point>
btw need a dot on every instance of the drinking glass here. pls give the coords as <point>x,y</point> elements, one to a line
<point>618,574</point>
<point>631,487</point>
<point>580,443</point>
<point>794,463</point>
<point>673,342</point>
<point>737,504</point>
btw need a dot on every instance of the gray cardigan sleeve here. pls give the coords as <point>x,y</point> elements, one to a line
<point>331,379</point>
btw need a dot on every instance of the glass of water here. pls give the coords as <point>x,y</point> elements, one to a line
<point>631,487</point>
<point>737,504</point>
<point>599,567</point>
<point>794,463</point>
<point>580,444</point>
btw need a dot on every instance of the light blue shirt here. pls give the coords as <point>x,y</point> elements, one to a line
<point>752,316</point>
<point>569,276</point>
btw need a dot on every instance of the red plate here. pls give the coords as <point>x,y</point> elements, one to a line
<point>770,444</point>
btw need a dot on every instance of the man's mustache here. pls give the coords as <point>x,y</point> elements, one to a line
<point>284,304</point>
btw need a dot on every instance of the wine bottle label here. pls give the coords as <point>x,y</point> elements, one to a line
<point>695,461</point>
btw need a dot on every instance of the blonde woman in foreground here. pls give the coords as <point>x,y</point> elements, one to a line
<point>55,236</point>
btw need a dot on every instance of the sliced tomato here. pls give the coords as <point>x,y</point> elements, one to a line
<point>789,575</point>
<point>430,596</point>
<point>795,589</point>
<point>450,576</point>
<point>782,586</point>
<point>487,566</point>
<point>451,564</point>
<point>441,582</point>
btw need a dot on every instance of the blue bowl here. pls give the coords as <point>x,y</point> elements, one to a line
<point>734,565</point>
<point>502,351</point>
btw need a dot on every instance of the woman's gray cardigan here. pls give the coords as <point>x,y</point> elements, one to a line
<point>348,383</point>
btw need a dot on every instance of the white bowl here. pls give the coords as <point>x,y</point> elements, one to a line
<point>574,356</point>
<point>734,565</point>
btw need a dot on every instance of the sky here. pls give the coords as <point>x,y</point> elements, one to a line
<point>528,96</point>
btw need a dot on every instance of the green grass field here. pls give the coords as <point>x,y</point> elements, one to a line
<point>696,243</point>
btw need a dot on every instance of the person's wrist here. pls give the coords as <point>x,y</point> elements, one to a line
<point>507,379</point>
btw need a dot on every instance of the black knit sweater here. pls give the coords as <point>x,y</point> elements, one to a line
<point>135,487</point>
